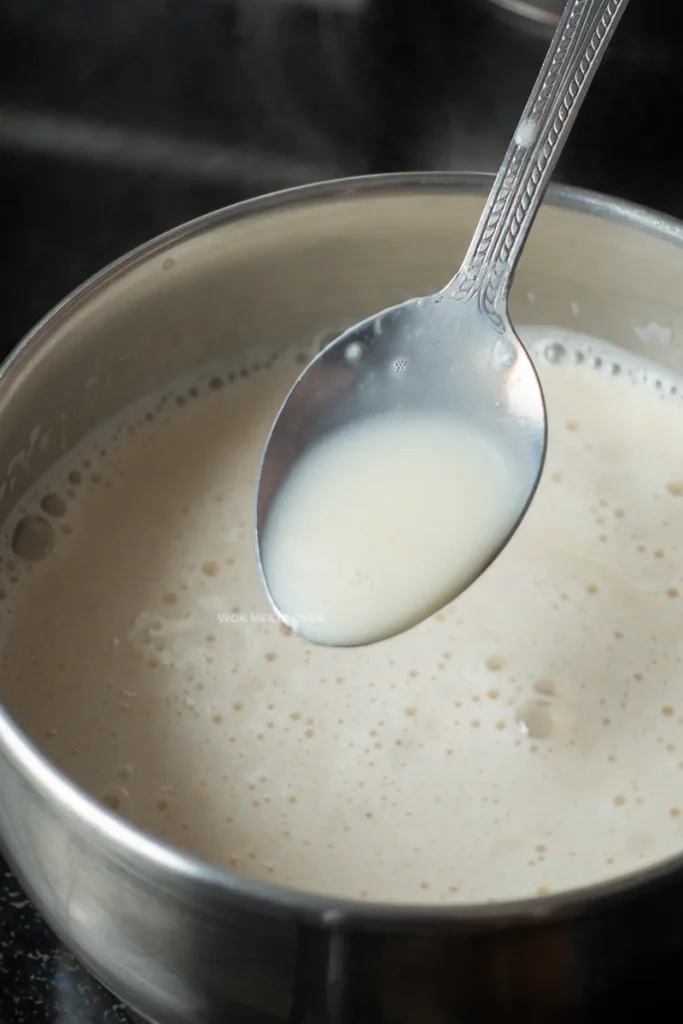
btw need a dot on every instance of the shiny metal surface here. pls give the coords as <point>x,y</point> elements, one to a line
<point>539,17</point>
<point>187,943</point>
<point>458,351</point>
<point>453,360</point>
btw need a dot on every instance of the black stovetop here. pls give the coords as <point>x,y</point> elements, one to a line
<point>120,120</point>
<point>40,981</point>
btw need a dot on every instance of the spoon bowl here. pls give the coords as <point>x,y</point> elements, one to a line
<point>425,356</point>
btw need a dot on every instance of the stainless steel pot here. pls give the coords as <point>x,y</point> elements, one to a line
<point>185,943</point>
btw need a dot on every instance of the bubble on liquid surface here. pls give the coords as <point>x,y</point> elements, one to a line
<point>54,505</point>
<point>545,687</point>
<point>555,353</point>
<point>33,538</point>
<point>535,719</point>
<point>544,717</point>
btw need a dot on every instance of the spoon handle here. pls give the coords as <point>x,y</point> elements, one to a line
<point>577,48</point>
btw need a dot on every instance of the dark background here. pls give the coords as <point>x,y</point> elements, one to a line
<point>122,118</point>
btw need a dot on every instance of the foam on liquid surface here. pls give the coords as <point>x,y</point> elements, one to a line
<point>529,737</point>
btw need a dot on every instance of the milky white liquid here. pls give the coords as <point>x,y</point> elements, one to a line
<point>383,522</point>
<point>528,737</point>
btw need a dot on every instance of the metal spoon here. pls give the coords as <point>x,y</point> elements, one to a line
<point>456,350</point>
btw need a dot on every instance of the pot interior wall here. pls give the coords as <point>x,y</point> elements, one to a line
<point>251,284</point>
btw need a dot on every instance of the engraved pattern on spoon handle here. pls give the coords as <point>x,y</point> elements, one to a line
<point>577,48</point>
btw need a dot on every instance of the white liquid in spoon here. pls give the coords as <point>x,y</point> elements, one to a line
<point>383,522</point>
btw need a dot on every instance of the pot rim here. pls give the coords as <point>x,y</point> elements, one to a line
<point>128,842</point>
